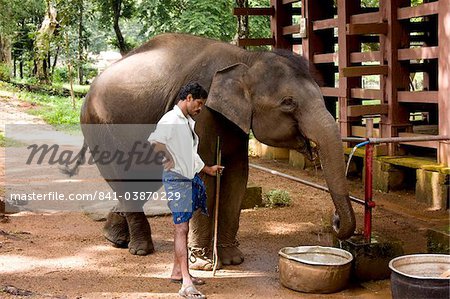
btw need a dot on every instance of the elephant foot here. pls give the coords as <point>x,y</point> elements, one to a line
<point>116,231</point>
<point>140,234</point>
<point>201,259</point>
<point>230,255</point>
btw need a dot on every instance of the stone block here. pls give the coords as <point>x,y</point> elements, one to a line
<point>258,149</point>
<point>278,153</point>
<point>386,177</point>
<point>371,260</point>
<point>252,197</point>
<point>432,189</point>
<point>438,241</point>
<point>299,160</point>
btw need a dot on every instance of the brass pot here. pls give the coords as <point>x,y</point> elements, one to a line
<point>314,269</point>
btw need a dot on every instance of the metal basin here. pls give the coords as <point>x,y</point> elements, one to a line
<point>420,276</point>
<point>314,269</point>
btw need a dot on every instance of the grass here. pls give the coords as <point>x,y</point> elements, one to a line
<point>2,140</point>
<point>54,110</point>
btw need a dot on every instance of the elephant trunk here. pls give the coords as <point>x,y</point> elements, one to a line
<point>321,128</point>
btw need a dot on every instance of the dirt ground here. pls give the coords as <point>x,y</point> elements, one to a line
<point>63,255</point>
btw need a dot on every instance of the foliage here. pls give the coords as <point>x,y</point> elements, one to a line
<point>14,13</point>
<point>259,26</point>
<point>61,74</point>
<point>5,72</point>
<point>110,12</point>
<point>54,110</point>
<point>2,140</point>
<point>277,198</point>
<point>209,18</point>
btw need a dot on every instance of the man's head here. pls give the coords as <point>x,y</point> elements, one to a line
<point>191,98</point>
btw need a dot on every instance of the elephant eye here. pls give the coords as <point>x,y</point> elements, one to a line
<point>288,104</point>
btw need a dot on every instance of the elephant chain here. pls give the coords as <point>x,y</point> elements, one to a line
<point>202,252</point>
<point>197,252</point>
<point>235,243</point>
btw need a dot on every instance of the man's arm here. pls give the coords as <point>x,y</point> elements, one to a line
<point>168,162</point>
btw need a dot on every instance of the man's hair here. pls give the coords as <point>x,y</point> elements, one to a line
<point>193,88</point>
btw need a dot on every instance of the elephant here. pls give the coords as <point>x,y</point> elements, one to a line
<point>269,93</point>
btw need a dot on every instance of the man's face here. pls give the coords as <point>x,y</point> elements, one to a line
<point>194,106</point>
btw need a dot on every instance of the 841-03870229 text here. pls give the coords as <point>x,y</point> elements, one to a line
<point>97,195</point>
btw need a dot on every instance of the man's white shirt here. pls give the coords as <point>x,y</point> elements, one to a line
<point>176,131</point>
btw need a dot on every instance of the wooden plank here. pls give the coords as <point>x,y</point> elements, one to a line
<point>360,93</point>
<point>372,28</point>
<point>364,56</point>
<point>430,97</point>
<point>418,53</point>
<point>365,70</point>
<point>290,1</point>
<point>365,18</point>
<point>444,78</point>
<point>360,131</point>
<point>418,11</point>
<point>292,29</point>
<point>326,58</point>
<point>281,17</point>
<point>360,110</point>
<point>325,24</point>
<point>428,144</point>
<point>347,44</point>
<point>331,92</point>
<point>245,42</point>
<point>253,11</point>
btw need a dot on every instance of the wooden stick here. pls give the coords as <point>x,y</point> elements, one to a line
<point>216,207</point>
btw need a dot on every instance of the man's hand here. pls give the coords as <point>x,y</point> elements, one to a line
<point>168,164</point>
<point>168,161</point>
<point>213,170</point>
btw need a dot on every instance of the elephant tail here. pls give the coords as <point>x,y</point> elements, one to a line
<point>80,159</point>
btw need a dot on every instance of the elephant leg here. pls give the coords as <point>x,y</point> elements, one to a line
<point>116,230</point>
<point>233,186</point>
<point>200,232</point>
<point>140,234</point>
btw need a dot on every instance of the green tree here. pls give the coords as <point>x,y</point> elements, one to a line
<point>209,18</point>
<point>18,19</point>
<point>43,40</point>
<point>111,12</point>
<point>73,17</point>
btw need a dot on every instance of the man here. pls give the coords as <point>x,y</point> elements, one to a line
<point>175,136</point>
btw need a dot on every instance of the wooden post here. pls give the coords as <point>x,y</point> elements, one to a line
<point>282,17</point>
<point>320,42</point>
<point>347,44</point>
<point>444,80</point>
<point>397,78</point>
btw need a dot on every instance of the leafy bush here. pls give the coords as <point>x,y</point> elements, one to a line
<point>60,75</point>
<point>5,72</point>
<point>89,73</point>
<point>2,140</point>
<point>277,198</point>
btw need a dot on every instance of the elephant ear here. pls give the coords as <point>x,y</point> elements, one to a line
<point>227,96</point>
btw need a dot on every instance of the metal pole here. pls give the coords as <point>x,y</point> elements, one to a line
<point>304,182</point>
<point>369,204</point>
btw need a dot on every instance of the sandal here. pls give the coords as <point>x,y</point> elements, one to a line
<point>190,292</point>
<point>195,280</point>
